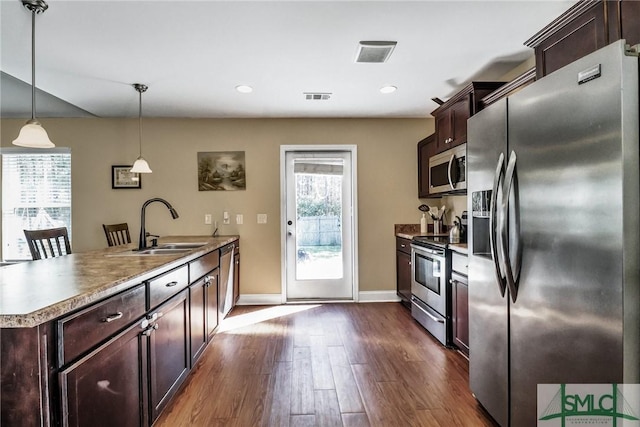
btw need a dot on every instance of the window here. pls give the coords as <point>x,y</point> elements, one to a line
<point>36,194</point>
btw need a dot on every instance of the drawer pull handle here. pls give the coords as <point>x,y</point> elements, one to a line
<point>112,317</point>
<point>171,284</point>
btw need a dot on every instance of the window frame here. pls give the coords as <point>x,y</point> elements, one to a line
<point>14,151</point>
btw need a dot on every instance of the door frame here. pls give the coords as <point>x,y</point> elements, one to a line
<point>353,149</point>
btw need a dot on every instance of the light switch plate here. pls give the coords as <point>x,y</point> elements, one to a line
<point>207,218</point>
<point>262,218</point>
<point>239,219</point>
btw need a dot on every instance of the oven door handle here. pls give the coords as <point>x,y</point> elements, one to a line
<point>493,232</point>
<point>431,316</point>
<point>427,250</point>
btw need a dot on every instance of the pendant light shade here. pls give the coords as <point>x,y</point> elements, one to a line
<point>140,165</point>
<point>32,134</point>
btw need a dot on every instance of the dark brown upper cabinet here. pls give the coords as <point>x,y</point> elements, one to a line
<point>451,117</point>
<point>584,28</point>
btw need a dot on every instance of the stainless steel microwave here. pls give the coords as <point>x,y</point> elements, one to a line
<point>448,171</point>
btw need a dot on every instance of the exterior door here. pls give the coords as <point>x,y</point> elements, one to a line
<point>318,225</point>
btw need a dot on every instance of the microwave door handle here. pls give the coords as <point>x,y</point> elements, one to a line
<point>493,235</point>
<point>512,267</point>
<point>453,186</point>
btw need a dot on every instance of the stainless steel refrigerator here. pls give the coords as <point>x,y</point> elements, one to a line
<point>553,187</point>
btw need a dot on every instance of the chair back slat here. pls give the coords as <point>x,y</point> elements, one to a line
<point>48,243</point>
<point>117,234</point>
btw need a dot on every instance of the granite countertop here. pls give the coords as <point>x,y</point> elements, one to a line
<point>35,292</point>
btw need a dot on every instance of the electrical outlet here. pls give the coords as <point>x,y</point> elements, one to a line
<point>262,218</point>
<point>207,218</point>
<point>225,218</point>
<point>239,218</point>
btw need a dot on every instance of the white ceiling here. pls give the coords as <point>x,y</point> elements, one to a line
<point>192,54</point>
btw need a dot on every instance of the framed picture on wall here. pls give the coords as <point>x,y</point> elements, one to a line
<point>221,171</point>
<point>122,177</point>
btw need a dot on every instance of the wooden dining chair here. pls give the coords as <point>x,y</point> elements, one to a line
<point>117,234</point>
<point>48,243</point>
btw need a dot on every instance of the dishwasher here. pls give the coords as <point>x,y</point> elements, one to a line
<point>226,279</point>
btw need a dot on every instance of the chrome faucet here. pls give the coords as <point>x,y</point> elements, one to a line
<point>142,244</point>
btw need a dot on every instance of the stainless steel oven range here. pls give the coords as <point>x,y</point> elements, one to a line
<point>430,300</point>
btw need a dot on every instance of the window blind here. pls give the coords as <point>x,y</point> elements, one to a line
<point>36,194</point>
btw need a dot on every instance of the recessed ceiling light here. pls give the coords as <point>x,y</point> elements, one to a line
<point>388,89</point>
<point>244,89</point>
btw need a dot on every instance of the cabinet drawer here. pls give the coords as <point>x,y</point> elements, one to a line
<point>460,263</point>
<point>164,287</point>
<point>403,245</point>
<point>83,330</point>
<point>203,265</point>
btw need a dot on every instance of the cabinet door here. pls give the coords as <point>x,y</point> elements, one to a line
<point>212,302</point>
<point>443,130</point>
<point>426,149</point>
<point>460,113</point>
<point>585,34</point>
<point>105,388</point>
<point>629,22</point>
<point>461,315</point>
<point>403,270</point>
<point>198,318</point>
<point>168,352</point>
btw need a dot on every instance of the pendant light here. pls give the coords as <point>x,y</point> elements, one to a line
<point>140,165</point>
<point>32,133</point>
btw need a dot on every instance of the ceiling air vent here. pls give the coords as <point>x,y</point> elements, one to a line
<point>374,51</point>
<point>316,96</point>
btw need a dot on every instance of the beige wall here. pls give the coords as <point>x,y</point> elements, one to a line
<point>387,182</point>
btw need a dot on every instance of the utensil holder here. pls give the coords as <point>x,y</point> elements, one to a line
<point>437,227</point>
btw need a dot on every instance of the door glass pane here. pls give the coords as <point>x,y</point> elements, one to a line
<point>318,218</point>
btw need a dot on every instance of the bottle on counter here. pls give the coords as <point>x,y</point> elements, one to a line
<point>423,223</point>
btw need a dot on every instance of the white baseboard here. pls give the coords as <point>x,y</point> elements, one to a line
<point>276,299</point>
<point>378,296</point>
<point>260,299</point>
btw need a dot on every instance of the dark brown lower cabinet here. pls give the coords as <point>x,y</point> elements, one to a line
<point>198,318</point>
<point>169,355</point>
<point>105,388</point>
<point>203,301</point>
<point>403,271</point>
<point>460,315</point>
<point>211,290</point>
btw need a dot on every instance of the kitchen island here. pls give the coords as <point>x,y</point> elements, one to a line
<point>108,336</point>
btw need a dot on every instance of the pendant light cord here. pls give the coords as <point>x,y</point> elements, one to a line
<point>140,124</point>
<point>33,64</point>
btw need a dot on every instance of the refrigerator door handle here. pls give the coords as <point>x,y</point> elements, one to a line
<point>512,266</point>
<point>493,232</point>
<point>453,186</point>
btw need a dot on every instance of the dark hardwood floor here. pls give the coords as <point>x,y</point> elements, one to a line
<point>326,365</point>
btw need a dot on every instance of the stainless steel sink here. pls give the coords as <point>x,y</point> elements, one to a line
<point>180,245</point>
<point>152,251</point>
